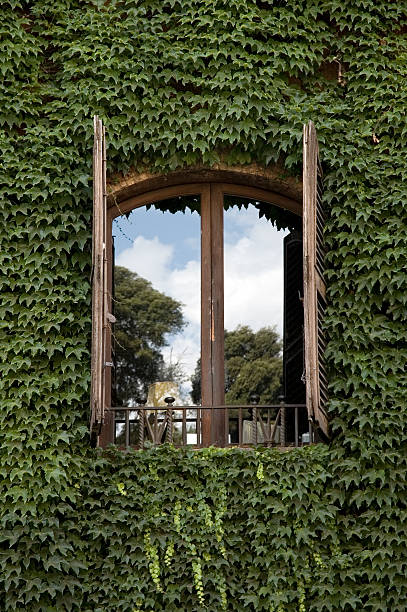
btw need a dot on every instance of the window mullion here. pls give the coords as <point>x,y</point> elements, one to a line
<point>217,296</point>
<point>206,314</point>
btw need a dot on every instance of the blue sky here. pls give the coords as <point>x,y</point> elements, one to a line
<point>165,249</point>
<point>180,229</point>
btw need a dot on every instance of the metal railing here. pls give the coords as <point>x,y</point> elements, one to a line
<point>199,426</point>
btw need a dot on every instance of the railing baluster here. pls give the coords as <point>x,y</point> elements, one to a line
<point>127,430</point>
<point>282,420</point>
<point>170,425</point>
<point>141,428</point>
<point>184,427</point>
<point>155,436</point>
<point>160,427</point>
<point>226,426</point>
<point>254,425</point>
<point>169,434</point>
<point>198,427</point>
<point>254,400</point>
<point>296,425</point>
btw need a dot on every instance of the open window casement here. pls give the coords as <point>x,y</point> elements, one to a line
<point>99,283</point>
<point>314,283</point>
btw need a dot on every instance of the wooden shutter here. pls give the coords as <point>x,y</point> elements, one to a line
<point>314,282</point>
<point>99,279</point>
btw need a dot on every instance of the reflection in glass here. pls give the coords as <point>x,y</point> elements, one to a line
<point>156,337</point>
<point>126,427</point>
<point>254,289</point>
<point>135,427</point>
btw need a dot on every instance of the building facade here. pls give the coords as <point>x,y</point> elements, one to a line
<point>198,87</point>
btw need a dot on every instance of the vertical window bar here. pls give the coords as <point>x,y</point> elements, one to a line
<point>282,424</point>
<point>127,428</point>
<point>296,425</point>
<point>141,428</point>
<point>198,427</point>
<point>184,426</point>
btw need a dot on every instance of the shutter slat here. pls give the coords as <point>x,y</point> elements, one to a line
<point>314,284</point>
<point>99,294</point>
<point>320,235</point>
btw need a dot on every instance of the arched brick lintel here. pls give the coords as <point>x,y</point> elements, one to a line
<point>273,179</point>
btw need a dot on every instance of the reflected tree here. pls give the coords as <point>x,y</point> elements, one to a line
<point>253,365</point>
<point>144,319</point>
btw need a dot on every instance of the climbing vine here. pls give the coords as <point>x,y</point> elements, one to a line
<point>178,84</point>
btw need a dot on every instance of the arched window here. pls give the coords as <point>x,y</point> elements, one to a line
<point>303,351</point>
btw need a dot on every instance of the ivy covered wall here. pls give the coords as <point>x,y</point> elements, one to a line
<point>179,83</point>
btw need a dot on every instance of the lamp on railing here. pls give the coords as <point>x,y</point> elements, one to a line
<point>169,400</point>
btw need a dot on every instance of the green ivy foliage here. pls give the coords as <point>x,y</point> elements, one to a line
<point>226,515</point>
<point>179,83</point>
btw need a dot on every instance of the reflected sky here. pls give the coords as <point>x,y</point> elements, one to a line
<point>179,230</point>
<point>165,249</point>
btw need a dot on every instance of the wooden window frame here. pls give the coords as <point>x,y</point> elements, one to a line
<point>212,285</point>
<point>211,193</point>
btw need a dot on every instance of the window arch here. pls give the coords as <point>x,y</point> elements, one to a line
<point>211,191</point>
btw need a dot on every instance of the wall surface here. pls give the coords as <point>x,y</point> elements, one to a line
<point>180,84</point>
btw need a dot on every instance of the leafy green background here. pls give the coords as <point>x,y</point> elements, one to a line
<point>176,83</point>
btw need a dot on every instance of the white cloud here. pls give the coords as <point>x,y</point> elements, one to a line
<point>253,279</point>
<point>254,282</point>
<point>151,259</point>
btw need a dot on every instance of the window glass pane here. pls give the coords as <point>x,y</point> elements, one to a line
<point>156,337</point>
<point>254,295</point>
<point>120,433</point>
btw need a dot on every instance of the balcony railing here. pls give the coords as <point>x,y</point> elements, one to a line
<point>280,425</point>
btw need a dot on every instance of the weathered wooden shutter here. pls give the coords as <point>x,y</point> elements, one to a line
<point>314,282</point>
<point>99,279</point>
